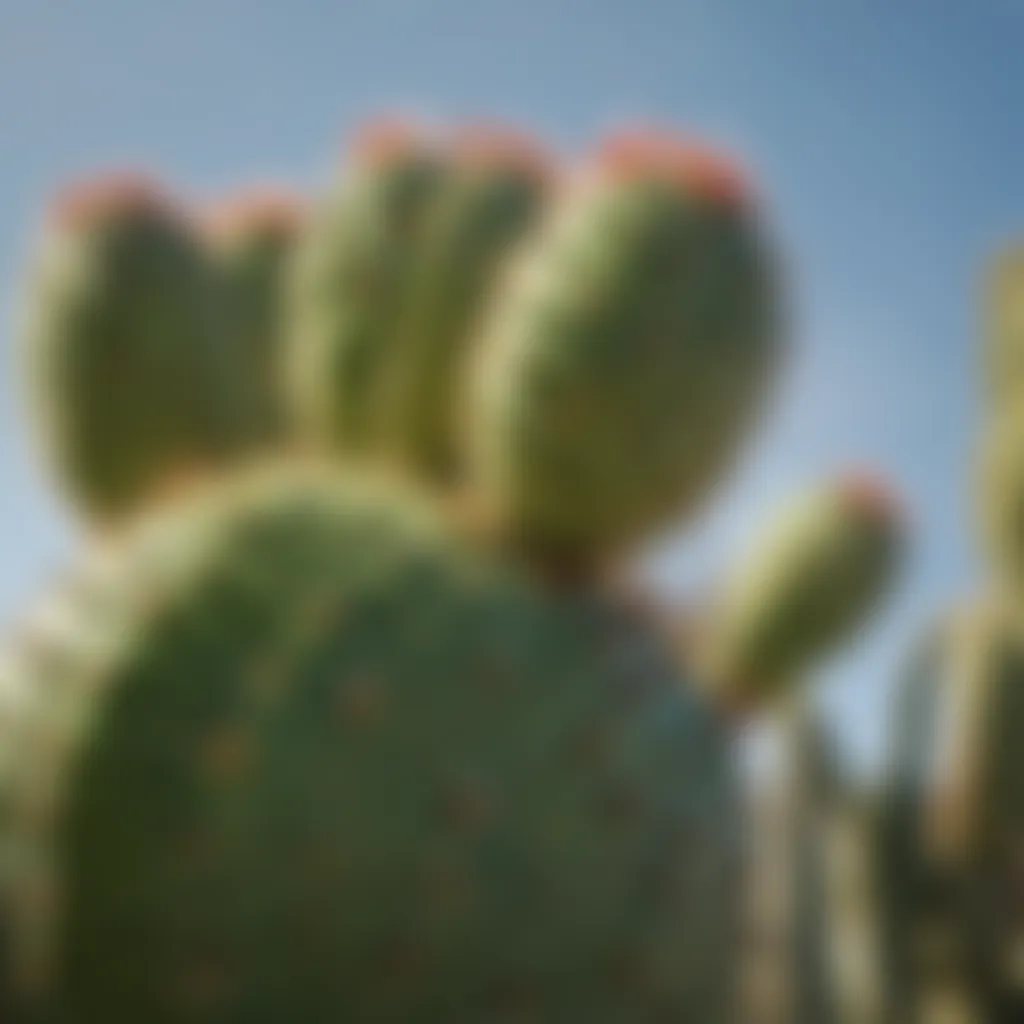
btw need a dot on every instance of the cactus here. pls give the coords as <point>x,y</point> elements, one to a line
<point>627,354</point>
<point>352,274</point>
<point>948,859</point>
<point>252,236</point>
<point>953,809</point>
<point>822,566</point>
<point>330,762</point>
<point>131,370</point>
<point>492,196</point>
<point>1003,327</point>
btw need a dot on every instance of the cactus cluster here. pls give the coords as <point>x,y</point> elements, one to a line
<point>337,736</point>
<point>952,809</point>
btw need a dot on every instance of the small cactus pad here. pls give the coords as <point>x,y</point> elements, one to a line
<point>1000,490</point>
<point>130,369</point>
<point>949,837</point>
<point>492,196</point>
<point>252,236</point>
<point>629,353</point>
<point>822,566</point>
<point>1003,326</point>
<point>351,277</point>
<point>328,763</point>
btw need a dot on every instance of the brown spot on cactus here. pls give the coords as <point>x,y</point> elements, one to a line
<point>362,700</point>
<point>205,991</point>
<point>620,805</point>
<point>227,755</point>
<point>467,807</point>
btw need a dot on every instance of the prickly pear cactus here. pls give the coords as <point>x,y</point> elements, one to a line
<point>352,274</point>
<point>629,351</point>
<point>825,562</point>
<point>823,565</point>
<point>949,841</point>
<point>313,759</point>
<point>131,370</point>
<point>252,236</point>
<point>492,197</point>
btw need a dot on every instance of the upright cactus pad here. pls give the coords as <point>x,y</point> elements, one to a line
<point>330,764</point>
<point>351,279</point>
<point>253,235</point>
<point>824,563</point>
<point>1000,489</point>
<point>628,355</point>
<point>949,841</point>
<point>131,371</point>
<point>1003,327</point>
<point>492,196</point>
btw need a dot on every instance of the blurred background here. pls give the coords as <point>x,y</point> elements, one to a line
<point>887,138</point>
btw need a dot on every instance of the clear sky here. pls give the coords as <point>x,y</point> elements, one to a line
<point>889,137</point>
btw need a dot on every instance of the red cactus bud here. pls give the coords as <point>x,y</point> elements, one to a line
<point>387,139</point>
<point>111,194</point>
<point>872,496</point>
<point>491,145</point>
<point>646,152</point>
<point>259,209</point>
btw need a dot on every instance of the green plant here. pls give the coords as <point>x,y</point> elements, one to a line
<point>628,354</point>
<point>130,361</point>
<point>252,236</point>
<point>329,760</point>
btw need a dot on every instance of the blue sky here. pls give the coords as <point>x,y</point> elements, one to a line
<point>888,136</point>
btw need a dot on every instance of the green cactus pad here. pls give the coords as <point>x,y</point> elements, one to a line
<point>628,354</point>
<point>322,762</point>
<point>1003,326</point>
<point>252,236</point>
<point>822,566</point>
<point>953,813</point>
<point>492,196</point>
<point>130,368</point>
<point>351,280</point>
